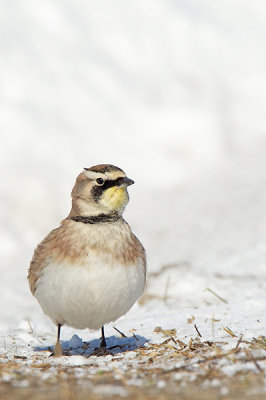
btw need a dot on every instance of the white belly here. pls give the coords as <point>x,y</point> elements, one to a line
<point>88,296</point>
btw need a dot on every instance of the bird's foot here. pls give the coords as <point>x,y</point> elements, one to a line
<point>58,351</point>
<point>64,353</point>
<point>101,351</point>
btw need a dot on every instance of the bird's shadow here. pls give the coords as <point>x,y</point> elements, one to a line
<point>116,345</point>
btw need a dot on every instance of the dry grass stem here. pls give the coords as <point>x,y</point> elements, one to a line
<point>229,331</point>
<point>239,341</point>
<point>217,295</point>
<point>121,333</point>
<point>251,358</point>
<point>198,332</point>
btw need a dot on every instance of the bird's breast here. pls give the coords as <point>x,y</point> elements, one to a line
<point>109,243</point>
<point>89,295</point>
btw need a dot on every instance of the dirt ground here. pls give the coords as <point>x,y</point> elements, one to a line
<point>169,370</point>
<point>248,386</point>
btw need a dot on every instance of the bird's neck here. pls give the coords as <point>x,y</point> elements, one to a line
<point>95,219</point>
<point>82,211</point>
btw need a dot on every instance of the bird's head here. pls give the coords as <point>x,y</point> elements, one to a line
<point>101,189</point>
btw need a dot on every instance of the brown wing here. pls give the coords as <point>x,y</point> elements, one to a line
<point>41,257</point>
<point>139,250</point>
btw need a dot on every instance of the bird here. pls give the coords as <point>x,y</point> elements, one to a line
<point>90,270</point>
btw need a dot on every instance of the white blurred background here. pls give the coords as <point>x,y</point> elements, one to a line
<point>171,91</point>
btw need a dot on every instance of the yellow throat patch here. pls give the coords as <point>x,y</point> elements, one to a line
<point>115,198</point>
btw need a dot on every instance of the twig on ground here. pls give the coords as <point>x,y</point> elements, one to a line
<point>181,344</point>
<point>229,331</point>
<point>31,330</point>
<point>239,341</point>
<point>217,295</point>
<point>133,334</point>
<point>121,333</point>
<point>198,332</point>
<point>251,358</point>
<point>202,360</point>
<point>173,340</point>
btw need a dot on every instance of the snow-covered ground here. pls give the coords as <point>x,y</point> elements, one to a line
<point>173,92</point>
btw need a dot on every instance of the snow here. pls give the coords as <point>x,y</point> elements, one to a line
<point>173,92</point>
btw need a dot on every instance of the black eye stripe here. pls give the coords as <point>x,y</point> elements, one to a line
<point>98,190</point>
<point>109,183</point>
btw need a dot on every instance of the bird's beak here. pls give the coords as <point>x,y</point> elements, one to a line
<point>124,182</point>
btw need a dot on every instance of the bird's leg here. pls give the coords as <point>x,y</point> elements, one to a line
<point>102,350</point>
<point>103,342</point>
<point>58,348</point>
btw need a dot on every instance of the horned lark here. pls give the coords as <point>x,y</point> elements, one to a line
<point>92,269</point>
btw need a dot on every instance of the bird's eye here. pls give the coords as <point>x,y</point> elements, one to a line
<point>100,181</point>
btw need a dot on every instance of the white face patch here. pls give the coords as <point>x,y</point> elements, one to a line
<point>111,175</point>
<point>94,175</point>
